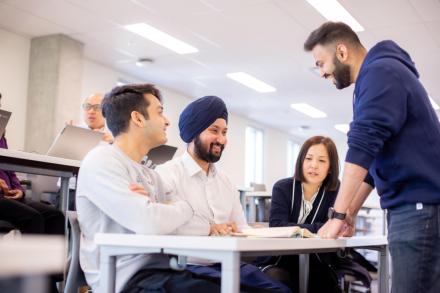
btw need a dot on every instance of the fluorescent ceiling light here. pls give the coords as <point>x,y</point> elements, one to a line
<point>161,38</point>
<point>342,127</point>
<point>308,110</point>
<point>252,82</point>
<point>332,10</point>
<point>434,104</point>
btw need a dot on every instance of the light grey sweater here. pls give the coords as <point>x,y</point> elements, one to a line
<point>106,205</point>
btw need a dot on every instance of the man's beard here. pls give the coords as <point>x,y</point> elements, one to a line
<point>207,156</point>
<point>341,73</point>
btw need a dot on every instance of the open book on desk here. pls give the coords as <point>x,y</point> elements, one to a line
<point>277,232</point>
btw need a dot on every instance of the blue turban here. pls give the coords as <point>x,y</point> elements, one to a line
<point>199,115</point>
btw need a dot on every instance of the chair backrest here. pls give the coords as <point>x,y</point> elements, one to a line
<point>258,186</point>
<point>75,276</point>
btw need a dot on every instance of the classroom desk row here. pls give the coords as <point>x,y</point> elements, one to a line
<point>229,250</point>
<point>47,254</point>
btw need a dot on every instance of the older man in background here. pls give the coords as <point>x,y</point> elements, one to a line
<point>93,120</point>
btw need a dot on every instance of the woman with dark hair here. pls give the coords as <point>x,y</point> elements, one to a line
<point>304,200</point>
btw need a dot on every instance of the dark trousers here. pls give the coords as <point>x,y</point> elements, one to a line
<point>251,278</point>
<point>414,243</point>
<point>163,280</point>
<point>32,217</point>
<point>285,269</point>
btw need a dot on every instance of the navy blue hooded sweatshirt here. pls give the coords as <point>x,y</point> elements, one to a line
<point>395,133</point>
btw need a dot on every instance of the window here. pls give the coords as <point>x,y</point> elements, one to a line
<point>292,153</point>
<point>254,156</point>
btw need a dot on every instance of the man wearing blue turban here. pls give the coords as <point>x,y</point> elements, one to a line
<point>203,125</point>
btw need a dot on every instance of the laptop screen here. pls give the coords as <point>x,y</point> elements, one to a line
<point>4,119</point>
<point>74,142</point>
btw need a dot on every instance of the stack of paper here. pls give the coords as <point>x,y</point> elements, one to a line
<point>277,232</point>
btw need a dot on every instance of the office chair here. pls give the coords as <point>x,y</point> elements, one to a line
<point>75,276</point>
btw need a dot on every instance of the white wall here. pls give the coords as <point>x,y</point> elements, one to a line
<point>14,71</point>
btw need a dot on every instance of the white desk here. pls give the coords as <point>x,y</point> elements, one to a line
<point>228,251</point>
<point>31,163</point>
<point>32,257</point>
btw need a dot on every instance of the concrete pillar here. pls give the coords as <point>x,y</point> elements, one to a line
<point>54,88</point>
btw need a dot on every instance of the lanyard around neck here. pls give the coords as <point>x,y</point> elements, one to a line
<point>293,200</point>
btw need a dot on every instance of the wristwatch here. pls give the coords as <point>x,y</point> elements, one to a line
<point>332,214</point>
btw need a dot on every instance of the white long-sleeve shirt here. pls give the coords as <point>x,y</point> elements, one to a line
<point>106,205</point>
<point>212,196</point>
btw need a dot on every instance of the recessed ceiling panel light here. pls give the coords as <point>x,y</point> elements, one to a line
<point>332,10</point>
<point>434,104</point>
<point>161,38</point>
<point>308,110</point>
<point>342,127</point>
<point>251,82</point>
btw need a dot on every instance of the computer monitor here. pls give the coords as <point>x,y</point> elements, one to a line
<point>161,154</point>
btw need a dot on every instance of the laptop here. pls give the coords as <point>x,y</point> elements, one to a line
<point>74,142</point>
<point>4,119</point>
<point>161,154</point>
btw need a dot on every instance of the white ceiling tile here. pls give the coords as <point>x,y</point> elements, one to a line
<point>65,14</point>
<point>428,10</point>
<point>171,8</point>
<point>121,12</point>
<point>230,5</point>
<point>23,23</point>
<point>381,14</point>
<point>302,13</point>
<point>434,29</point>
<point>415,38</point>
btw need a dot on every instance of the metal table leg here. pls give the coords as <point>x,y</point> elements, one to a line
<point>231,273</point>
<point>304,272</point>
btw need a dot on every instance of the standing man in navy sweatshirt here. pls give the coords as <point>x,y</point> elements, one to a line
<point>394,140</point>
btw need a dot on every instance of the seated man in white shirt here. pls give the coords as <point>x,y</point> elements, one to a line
<point>116,194</point>
<point>195,178</point>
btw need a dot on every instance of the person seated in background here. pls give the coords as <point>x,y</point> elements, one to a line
<point>305,200</point>
<point>26,215</point>
<point>92,115</point>
<point>194,177</point>
<point>93,120</point>
<point>117,194</point>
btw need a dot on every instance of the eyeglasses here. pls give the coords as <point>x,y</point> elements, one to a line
<point>87,107</point>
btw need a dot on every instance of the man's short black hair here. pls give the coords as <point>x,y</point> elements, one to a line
<point>331,32</point>
<point>118,104</point>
